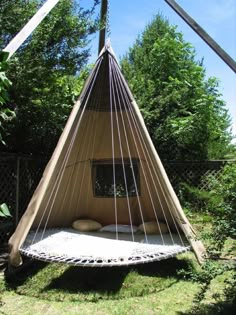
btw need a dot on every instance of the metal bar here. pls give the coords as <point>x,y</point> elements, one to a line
<point>17,190</point>
<point>19,39</point>
<point>102,33</point>
<point>203,34</point>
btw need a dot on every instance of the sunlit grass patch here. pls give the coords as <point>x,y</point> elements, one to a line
<point>59,282</point>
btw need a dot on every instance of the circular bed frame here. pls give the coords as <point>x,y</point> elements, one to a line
<point>100,249</point>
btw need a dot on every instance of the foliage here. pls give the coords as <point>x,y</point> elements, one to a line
<point>5,113</point>
<point>192,197</point>
<point>46,72</point>
<point>209,270</point>
<point>4,211</point>
<point>221,302</point>
<point>6,225</point>
<point>211,273</point>
<point>219,201</point>
<point>222,204</point>
<point>221,306</point>
<point>183,110</point>
<point>4,82</point>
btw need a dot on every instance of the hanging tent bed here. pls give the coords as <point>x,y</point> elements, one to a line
<point>105,174</point>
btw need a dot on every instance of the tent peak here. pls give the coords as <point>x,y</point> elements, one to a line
<point>107,48</point>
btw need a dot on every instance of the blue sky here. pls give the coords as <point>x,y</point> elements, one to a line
<point>128,19</point>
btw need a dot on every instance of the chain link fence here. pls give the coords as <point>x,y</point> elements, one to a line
<point>20,175</point>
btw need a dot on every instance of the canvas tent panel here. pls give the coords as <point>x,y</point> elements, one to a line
<point>97,132</point>
<point>75,195</point>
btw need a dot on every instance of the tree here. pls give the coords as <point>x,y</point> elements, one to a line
<point>183,110</point>
<point>5,113</point>
<point>45,72</point>
<point>221,204</point>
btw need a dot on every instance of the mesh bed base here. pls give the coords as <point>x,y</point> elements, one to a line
<point>99,249</point>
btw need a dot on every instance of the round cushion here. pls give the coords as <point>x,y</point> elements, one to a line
<point>86,225</point>
<point>153,228</point>
<point>120,228</point>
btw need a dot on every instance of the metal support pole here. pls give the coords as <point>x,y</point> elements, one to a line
<point>203,34</point>
<point>19,39</point>
<point>103,18</point>
<point>17,190</point>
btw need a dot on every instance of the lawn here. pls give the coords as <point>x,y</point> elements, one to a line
<point>173,286</point>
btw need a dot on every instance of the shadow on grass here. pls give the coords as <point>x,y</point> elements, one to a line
<point>113,280</point>
<point>19,276</point>
<point>164,268</point>
<point>87,279</point>
<point>93,284</point>
<point>60,282</point>
<point>220,308</point>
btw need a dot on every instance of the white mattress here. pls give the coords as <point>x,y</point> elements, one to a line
<point>100,248</point>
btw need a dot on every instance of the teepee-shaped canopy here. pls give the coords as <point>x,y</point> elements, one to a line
<point>104,168</point>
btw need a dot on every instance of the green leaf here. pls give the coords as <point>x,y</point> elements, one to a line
<point>4,56</point>
<point>4,211</point>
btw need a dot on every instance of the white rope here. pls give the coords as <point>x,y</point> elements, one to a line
<point>75,173</point>
<point>141,163</point>
<point>163,193</point>
<point>65,160</point>
<point>132,170</point>
<point>84,168</point>
<point>113,149</point>
<point>129,104</point>
<point>121,153</point>
<point>80,163</point>
<point>94,138</point>
<point>157,178</point>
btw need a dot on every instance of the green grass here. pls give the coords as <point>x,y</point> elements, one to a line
<point>174,286</point>
<point>174,299</point>
<point>58,282</point>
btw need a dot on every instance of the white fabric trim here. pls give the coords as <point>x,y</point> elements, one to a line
<point>99,249</point>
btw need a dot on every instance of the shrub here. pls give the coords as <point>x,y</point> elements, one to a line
<point>222,204</point>
<point>219,201</point>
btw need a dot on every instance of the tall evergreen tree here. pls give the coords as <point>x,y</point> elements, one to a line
<point>183,110</point>
<point>44,71</point>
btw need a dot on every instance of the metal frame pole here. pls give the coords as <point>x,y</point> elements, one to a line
<point>203,34</point>
<point>103,18</point>
<point>17,190</point>
<point>19,39</point>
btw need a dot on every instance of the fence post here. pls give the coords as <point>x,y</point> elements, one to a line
<point>17,190</point>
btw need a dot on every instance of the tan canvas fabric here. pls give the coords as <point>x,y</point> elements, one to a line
<point>66,190</point>
<point>75,195</point>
